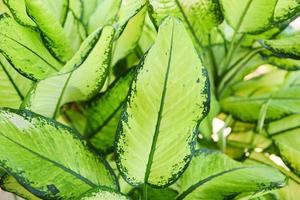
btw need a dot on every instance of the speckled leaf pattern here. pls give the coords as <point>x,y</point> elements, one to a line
<point>102,193</point>
<point>164,108</point>
<point>284,47</point>
<point>18,10</point>
<point>52,31</point>
<point>286,9</point>
<point>103,113</point>
<point>24,49</point>
<point>91,63</point>
<point>213,175</point>
<point>52,149</point>
<point>127,10</point>
<point>13,86</point>
<point>285,133</point>
<point>10,184</point>
<point>199,16</point>
<point>130,36</point>
<point>98,118</point>
<point>249,16</point>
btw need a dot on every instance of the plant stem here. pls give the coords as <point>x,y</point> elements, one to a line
<point>145,195</point>
<point>234,70</point>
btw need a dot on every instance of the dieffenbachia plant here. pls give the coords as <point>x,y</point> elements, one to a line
<point>119,99</point>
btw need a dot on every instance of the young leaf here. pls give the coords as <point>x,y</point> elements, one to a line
<point>10,184</point>
<point>252,94</point>
<point>57,41</point>
<point>13,86</point>
<point>285,133</point>
<point>288,64</point>
<point>249,16</point>
<point>103,113</point>
<point>286,10</point>
<point>199,16</point>
<point>168,99</point>
<point>104,14</point>
<point>18,10</point>
<point>103,193</point>
<point>24,49</point>
<point>61,166</point>
<point>284,47</point>
<point>59,8</point>
<point>130,36</point>
<point>213,175</point>
<point>91,65</point>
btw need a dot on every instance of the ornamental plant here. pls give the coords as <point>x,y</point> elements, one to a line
<point>158,99</point>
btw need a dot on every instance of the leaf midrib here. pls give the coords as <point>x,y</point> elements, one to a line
<point>159,117</point>
<point>67,170</point>
<point>12,82</point>
<point>50,65</point>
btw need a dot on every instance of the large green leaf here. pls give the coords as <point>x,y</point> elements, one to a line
<point>285,133</point>
<point>13,86</point>
<point>265,90</point>
<point>286,10</point>
<point>166,103</point>
<point>284,47</point>
<point>24,49</point>
<point>55,37</point>
<point>213,175</point>
<point>102,193</point>
<point>91,63</point>
<point>18,10</point>
<point>199,16</point>
<point>52,149</point>
<point>249,16</point>
<point>10,184</point>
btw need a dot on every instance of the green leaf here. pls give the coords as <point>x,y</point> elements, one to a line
<point>59,8</point>
<point>291,192</point>
<point>52,31</point>
<point>13,86</point>
<point>199,16</point>
<point>102,193</point>
<point>288,64</point>
<point>88,9</point>
<point>155,194</point>
<point>24,49</point>
<point>18,10</point>
<point>286,10</point>
<point>213,175</point>
<point>149,130</point>
<point>127,10</point>
<point>102,113</point>
<point>130,36</point>
<point>284,47</point>
<point>249,16</point>
<point>91,64</point>
<point>10,184</point>
<point>285,133</point>
<point>251,95</point>
<point>52,149</point>
<point>104,14</point>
